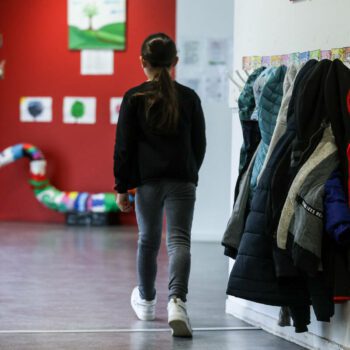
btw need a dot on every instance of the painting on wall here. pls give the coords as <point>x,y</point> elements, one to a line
<point>36,109</point>
<point>97,24</point>
<point>79,110</point>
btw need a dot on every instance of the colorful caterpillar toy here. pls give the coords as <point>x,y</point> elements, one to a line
<point>50,196</point>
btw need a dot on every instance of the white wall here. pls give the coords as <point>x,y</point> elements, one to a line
<point>268,27</point>
<point>202,20</point>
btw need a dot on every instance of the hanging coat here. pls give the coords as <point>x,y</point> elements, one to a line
<point>251,138</point>
<point>281,122</point>
<point>307,224</point>
<point>280,128</point>
<point>235,226</point>
<point>337,93</point>
<point>306,231</point>
<point>250,128</point>
<point>268,107</point>
<point>267,91</point>
<point>310,121</point>
<point>324,149</point>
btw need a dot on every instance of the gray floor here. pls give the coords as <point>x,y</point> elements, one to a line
<point>69,288</point>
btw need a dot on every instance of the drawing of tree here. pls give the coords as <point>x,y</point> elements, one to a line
<point>90,11</point>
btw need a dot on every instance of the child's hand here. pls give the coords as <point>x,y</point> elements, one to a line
<point>124,203</point>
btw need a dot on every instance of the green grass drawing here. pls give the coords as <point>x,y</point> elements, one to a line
<point>110,36</point>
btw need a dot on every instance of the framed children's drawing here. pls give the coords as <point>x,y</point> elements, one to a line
<point>97,24</point>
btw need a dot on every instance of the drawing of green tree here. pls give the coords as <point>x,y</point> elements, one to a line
<point>90,11</point>
<point>78,109</point>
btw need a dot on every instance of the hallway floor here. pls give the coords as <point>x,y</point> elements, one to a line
<point>69,288</point>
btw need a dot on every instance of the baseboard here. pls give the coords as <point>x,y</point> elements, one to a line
<point>269,324</point>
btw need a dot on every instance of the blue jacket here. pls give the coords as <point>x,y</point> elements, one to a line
<point>336,210</point>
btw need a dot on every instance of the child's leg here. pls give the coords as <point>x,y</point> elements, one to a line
<point>179,206</point>
<point>149,214</point>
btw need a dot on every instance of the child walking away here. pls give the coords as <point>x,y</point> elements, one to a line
<point>159,149</point>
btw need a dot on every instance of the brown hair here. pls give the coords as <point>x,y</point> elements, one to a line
<point>159,50</point>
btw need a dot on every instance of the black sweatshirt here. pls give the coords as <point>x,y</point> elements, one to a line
<point>141,155</point>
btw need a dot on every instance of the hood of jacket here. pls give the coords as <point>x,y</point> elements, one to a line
<point>310,114</point>
<point>299,84</point>
<point>258,88</point>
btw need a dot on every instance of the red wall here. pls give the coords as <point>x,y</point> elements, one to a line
<point>39,64</point>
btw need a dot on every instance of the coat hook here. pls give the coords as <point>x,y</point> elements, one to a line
<point>240,76</point>
<point>239,86</point>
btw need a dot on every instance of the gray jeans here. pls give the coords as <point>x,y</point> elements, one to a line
<point>177,198</point>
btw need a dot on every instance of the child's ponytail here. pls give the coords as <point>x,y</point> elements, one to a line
<point>162,109</point>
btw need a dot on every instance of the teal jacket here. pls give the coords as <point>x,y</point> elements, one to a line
<point>267,110</point>
<point>250,129</point>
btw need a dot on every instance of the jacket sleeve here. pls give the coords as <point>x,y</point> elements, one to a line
<point>235,227</point>
<point>125,145</point>
<point>199,142</point>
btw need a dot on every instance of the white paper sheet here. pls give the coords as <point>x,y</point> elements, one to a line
<point>115,104</point>
<point>216,85</point>
<point>36,109</point>
<point>191,52</point>
<point>218,51</point>
<point>97,62</point>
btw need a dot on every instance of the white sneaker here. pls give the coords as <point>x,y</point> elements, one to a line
<point>178,319</point>
<point>144,310</point>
